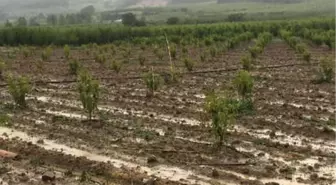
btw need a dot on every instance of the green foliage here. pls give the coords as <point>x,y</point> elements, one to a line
<point>203,56</point>
<point>18,88</point>
<point>244,84</point>
<point>173,20</point>
<point>223,114</point>
<point>99,58</point>
<point>208,42</point>
<point>4,119</point>
<point>254,51</point>
<point>306,56</point>
<point>300,48</point>
<point>88,89</point>
<point>74,67</point>
<point>22,21</point>
<point>173,76</point>
<point>326,70</point>
<point>52,19</point>
<point>246,62</point>
<point>116,66</point>
<point>8,24</point>
<point>153,82</point>
<point>46,53</point>
<point>2,68</point>
<point>66,51</point>
<point>160,55</point>
<point>263,39</point>
<point>213,52</point>
<point>142,60</point>
<point>233,33</point>
<point>184,50</point>
<point>173,51</point>
<point>188,63</point>
<point>88,10</point>
<point>26,52</point>
<point>129,19</point>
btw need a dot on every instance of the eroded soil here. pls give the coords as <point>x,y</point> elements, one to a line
<point>289,138</point>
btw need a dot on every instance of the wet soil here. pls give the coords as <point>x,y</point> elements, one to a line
<point>288,139</point>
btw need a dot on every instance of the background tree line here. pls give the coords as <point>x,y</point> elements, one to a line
<point>77,35</point>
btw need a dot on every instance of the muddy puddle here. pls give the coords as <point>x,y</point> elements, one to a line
<point>282,138</point>
<point>308,107</point>
<point>162,171</point>
<point>137,113</point>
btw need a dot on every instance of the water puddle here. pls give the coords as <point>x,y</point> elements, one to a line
<point>282,181</point>
<point>162,171</point>
<point>282,138</point>
<point>137,113</point>
<point>201,96</point>
<point>64,114</point>
<point>193,140</point>
<point>308,107</point>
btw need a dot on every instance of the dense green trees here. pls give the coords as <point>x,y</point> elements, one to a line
<point>232,33</point>
<point>129,19</point>
<point>173,20</point>
<point>22,21</point>
<point>52,19</point>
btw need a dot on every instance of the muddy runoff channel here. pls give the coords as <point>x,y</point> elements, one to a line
<point>175,173</point>
<point>161,171</point>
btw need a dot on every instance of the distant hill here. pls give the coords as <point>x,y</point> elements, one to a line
<point>264,1</point>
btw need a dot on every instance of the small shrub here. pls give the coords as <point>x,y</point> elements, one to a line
<point>153,82</point>
<point>11,55</point>
<point>306,56</point>
<point>203,56</point>
<point>26,52</point>
<point>173,51</point>
<point>143,47</point>
<point>208,42</point>
<point>173,76</point>
<point>127,53</point>
<point>74,67</point>
<point>5,120</point>
<point>213,52</point>
<point>160,55</point>
<point>2,68</point>
<point>142,60</point>
<point>106,48</point>
<point>184,50</point>
<point>246,62</point>
<point>116,66</point>
<point>113,49</point>
<point>100,59</point>
<point>255,51</point>
<point>222,112</point>
<point>326,70</point>
<point>39,65</point>
<point>189,64</point>
<point>66,50</point>
<point>18,88</point>
<point>89,92</point>
<point>46,53</point>
<point>300,48</point>
<point>244,84</point>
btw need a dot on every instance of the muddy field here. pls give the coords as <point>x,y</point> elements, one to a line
<point>288,140</point>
